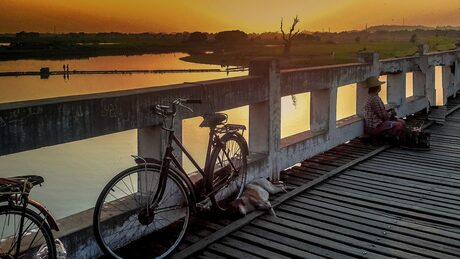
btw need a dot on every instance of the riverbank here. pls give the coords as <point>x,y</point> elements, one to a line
<point>303,53</point>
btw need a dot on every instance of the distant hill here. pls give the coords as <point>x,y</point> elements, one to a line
<point>398,28</point>
<point>409,28</point>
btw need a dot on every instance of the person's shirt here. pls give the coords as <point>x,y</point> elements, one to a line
<point>374,111</point>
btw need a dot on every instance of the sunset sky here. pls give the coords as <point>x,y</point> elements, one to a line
<point>218,15</point>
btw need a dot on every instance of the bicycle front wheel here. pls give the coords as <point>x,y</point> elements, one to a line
<point>228,168</point>
<point>36,238</point>
<point>127,225</point>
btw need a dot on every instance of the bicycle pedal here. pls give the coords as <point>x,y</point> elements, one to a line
<point>204,205</point>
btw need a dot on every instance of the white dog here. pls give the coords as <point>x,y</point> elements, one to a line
<point>255,196</point>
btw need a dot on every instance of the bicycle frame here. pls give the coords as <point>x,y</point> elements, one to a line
<point>169,157</point>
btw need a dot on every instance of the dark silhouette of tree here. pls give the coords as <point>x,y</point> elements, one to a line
<point>413,38</point>
<point>24,34</point>
<point>358,39</point>
<point>231,36</point>
<point>289,37</point>
<point>197,37</point>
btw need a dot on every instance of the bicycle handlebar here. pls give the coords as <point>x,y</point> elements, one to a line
<point>168,110</point>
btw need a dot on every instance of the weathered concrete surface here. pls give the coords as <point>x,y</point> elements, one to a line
<point>35,124</point>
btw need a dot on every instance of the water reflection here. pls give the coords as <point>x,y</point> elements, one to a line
<point>346,101</point>
<point>32,87</point>
<point>409,84</point>
<point>76,172</point>
<point>438,85</point>
<point>295,114</point>
<point>383,93</point>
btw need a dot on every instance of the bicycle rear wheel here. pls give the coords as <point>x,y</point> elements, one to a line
<point>228,167</point>
<point>36,237</point>
<point>125,223</point>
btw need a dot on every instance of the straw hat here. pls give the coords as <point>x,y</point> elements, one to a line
<point>372,81</point>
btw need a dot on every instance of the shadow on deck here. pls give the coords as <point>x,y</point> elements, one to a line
<point>355,200</point>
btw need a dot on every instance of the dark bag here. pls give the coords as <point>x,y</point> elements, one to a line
<point>416,138</point>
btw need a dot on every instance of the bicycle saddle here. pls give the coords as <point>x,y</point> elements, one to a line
<point>15,183</point>
<point>214,119</point>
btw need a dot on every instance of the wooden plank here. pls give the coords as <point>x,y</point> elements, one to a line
<point>438,186</point>
<point>230,252</point>
<point>429,193</point>
<point>392,207</point>
<point>401,202</point>
<point>450,235</point>
<point>410,176</point>
<point>392,195</point>
<point>382,236</point>
<point>243,221</point>
<point>326,238</point>
<point>209,255</point>
<point>292,251</point>
<point>253,249</point>
<point>378,221</point>
<point>436,168</point>
<point>291,242</point>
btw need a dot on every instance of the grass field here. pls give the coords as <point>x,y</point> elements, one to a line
<point>302,53</point>
<point>314,54</point>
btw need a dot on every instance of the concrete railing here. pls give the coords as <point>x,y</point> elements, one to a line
<point>34,124</point>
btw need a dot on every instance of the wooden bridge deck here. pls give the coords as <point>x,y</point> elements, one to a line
<point>354,201</point>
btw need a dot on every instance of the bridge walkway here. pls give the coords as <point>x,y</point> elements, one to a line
<point>353,201</point>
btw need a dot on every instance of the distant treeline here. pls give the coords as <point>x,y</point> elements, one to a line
<point>227,47</point>
<point>375,33</point>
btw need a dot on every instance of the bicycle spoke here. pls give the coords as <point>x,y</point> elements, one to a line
<point>33,235</point>
<point>172,208</point>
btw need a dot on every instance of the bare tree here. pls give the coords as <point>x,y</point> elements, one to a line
<point>289,37</point>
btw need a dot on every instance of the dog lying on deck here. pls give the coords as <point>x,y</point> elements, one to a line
<point>255,196</point>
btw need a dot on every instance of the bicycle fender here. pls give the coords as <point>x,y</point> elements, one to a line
<point>240,136</point>
<point>49,218</point>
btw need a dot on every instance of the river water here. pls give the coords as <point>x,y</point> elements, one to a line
<point>76,172</point>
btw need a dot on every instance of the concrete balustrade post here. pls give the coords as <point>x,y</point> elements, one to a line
<point>151,142</point>
<point>320,110</point>
<point>457,77</point>
<point>332,112</point>
<point>373,59</point>
<point>361,97</point>
<point>447,85</point>
<point>430,89</point>
<point>396,91</point>
<point>265,117</point>
<point>419,83</point>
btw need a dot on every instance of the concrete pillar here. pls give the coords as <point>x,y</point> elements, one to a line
<point>396,90</point>
<point>419,83</point>
<point>373,59</point>
<point>446,83</point>
<point>361,98</point>
<point>320,110</point>
<point>265,117</point>
<point>333,111</point>
<point>151,142</point>
<point>457,77</point>
<point>430,89</point>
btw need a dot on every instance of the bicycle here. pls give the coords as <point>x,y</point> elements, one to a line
<point>149,205</point>
<point>25,231</point>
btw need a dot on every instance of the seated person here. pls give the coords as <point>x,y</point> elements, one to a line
<point>378,121</point>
